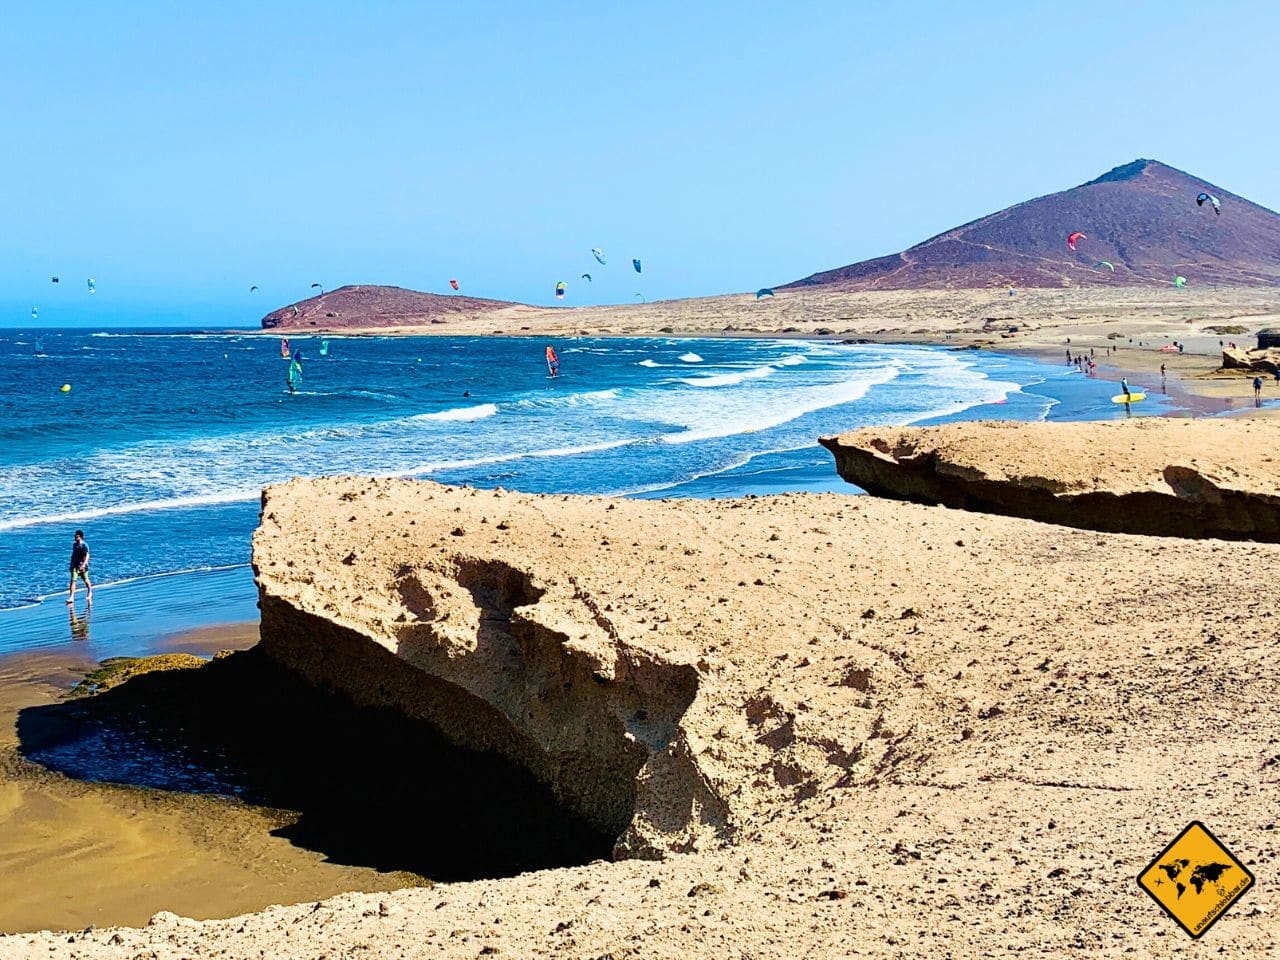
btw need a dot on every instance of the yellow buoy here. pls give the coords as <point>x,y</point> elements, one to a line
<point>66,388</point>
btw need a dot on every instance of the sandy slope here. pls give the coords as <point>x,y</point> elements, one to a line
<point>931,731</point>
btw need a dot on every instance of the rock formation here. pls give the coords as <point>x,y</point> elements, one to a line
<point>1182,478</point>
<point>581,671</point>
<point>374,307</point>
<point>1264,360</point>
<point>877,729</point>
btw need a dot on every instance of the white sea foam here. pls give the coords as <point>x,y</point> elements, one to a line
<point>690,358</point>
<point>728,379</point>
<point>144,506</point>
<point>766,408</point>
<point>478,412</point>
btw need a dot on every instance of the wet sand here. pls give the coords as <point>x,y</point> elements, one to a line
<point>78,853</point>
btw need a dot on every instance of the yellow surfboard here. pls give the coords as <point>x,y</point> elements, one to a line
<point>1132,398</point>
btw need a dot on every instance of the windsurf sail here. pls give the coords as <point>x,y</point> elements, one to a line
<point>1179,282</point>
<point>284,348</point>
<point>553,362</point>
<point>324,348</point>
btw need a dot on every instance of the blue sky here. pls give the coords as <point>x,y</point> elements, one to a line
<point>180,155</point>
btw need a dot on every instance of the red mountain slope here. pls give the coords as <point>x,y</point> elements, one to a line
<point>1142,217</point>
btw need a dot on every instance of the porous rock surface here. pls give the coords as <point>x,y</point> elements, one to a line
<point>1167,477</point>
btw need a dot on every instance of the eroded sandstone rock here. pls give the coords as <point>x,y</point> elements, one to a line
<point>1182,478</point>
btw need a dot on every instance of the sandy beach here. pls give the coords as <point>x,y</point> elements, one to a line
<point>78,853</point>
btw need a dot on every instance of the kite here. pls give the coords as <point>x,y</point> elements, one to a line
<point>1105,263</point>
<point>316,286</point>
<point>91,287</point>
<point>599,255</point>
<point>586,277</point>
<point>55,280</point>
<point>253,288</point>
<point>1213,201</point>
<point>560,288</point>
<point>763,292</point>
<point>454,284</point>
<point>636,264</point>
<point>35,313</point>
<point>1072,238</point>
<point>553,362</point>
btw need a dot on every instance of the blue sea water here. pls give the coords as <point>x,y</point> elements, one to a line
<point>160,449</point>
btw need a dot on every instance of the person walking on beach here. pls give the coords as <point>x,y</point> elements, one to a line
<point>80,568</point>
<point>1257,390</point>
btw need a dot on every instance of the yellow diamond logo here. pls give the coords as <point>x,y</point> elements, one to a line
<point>1195,879</point>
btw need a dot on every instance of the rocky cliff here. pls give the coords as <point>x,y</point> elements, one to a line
<point>521,625</point>
<point>1181,478</point>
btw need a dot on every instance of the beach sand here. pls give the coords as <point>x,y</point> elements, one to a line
<point>77,853</point>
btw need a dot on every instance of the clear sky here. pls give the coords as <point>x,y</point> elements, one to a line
<point>179,153</point>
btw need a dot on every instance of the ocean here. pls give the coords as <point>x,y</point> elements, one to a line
<point>161,447</point>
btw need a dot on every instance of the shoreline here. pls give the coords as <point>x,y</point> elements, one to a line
<point>67,843</point>
<point>1037,322</point>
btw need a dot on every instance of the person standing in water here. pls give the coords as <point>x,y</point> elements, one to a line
<point>80,568</point>
<point>1124,387</point>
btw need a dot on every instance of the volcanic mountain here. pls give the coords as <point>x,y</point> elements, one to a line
<point>1141,217</point>
<point>370,307</point>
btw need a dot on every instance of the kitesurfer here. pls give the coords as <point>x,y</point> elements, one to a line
<point>80,568</point>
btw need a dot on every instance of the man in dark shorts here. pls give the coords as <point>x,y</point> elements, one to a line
<point>80,568</point>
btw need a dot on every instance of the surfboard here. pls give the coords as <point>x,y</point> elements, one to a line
<point>1132,398</point>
